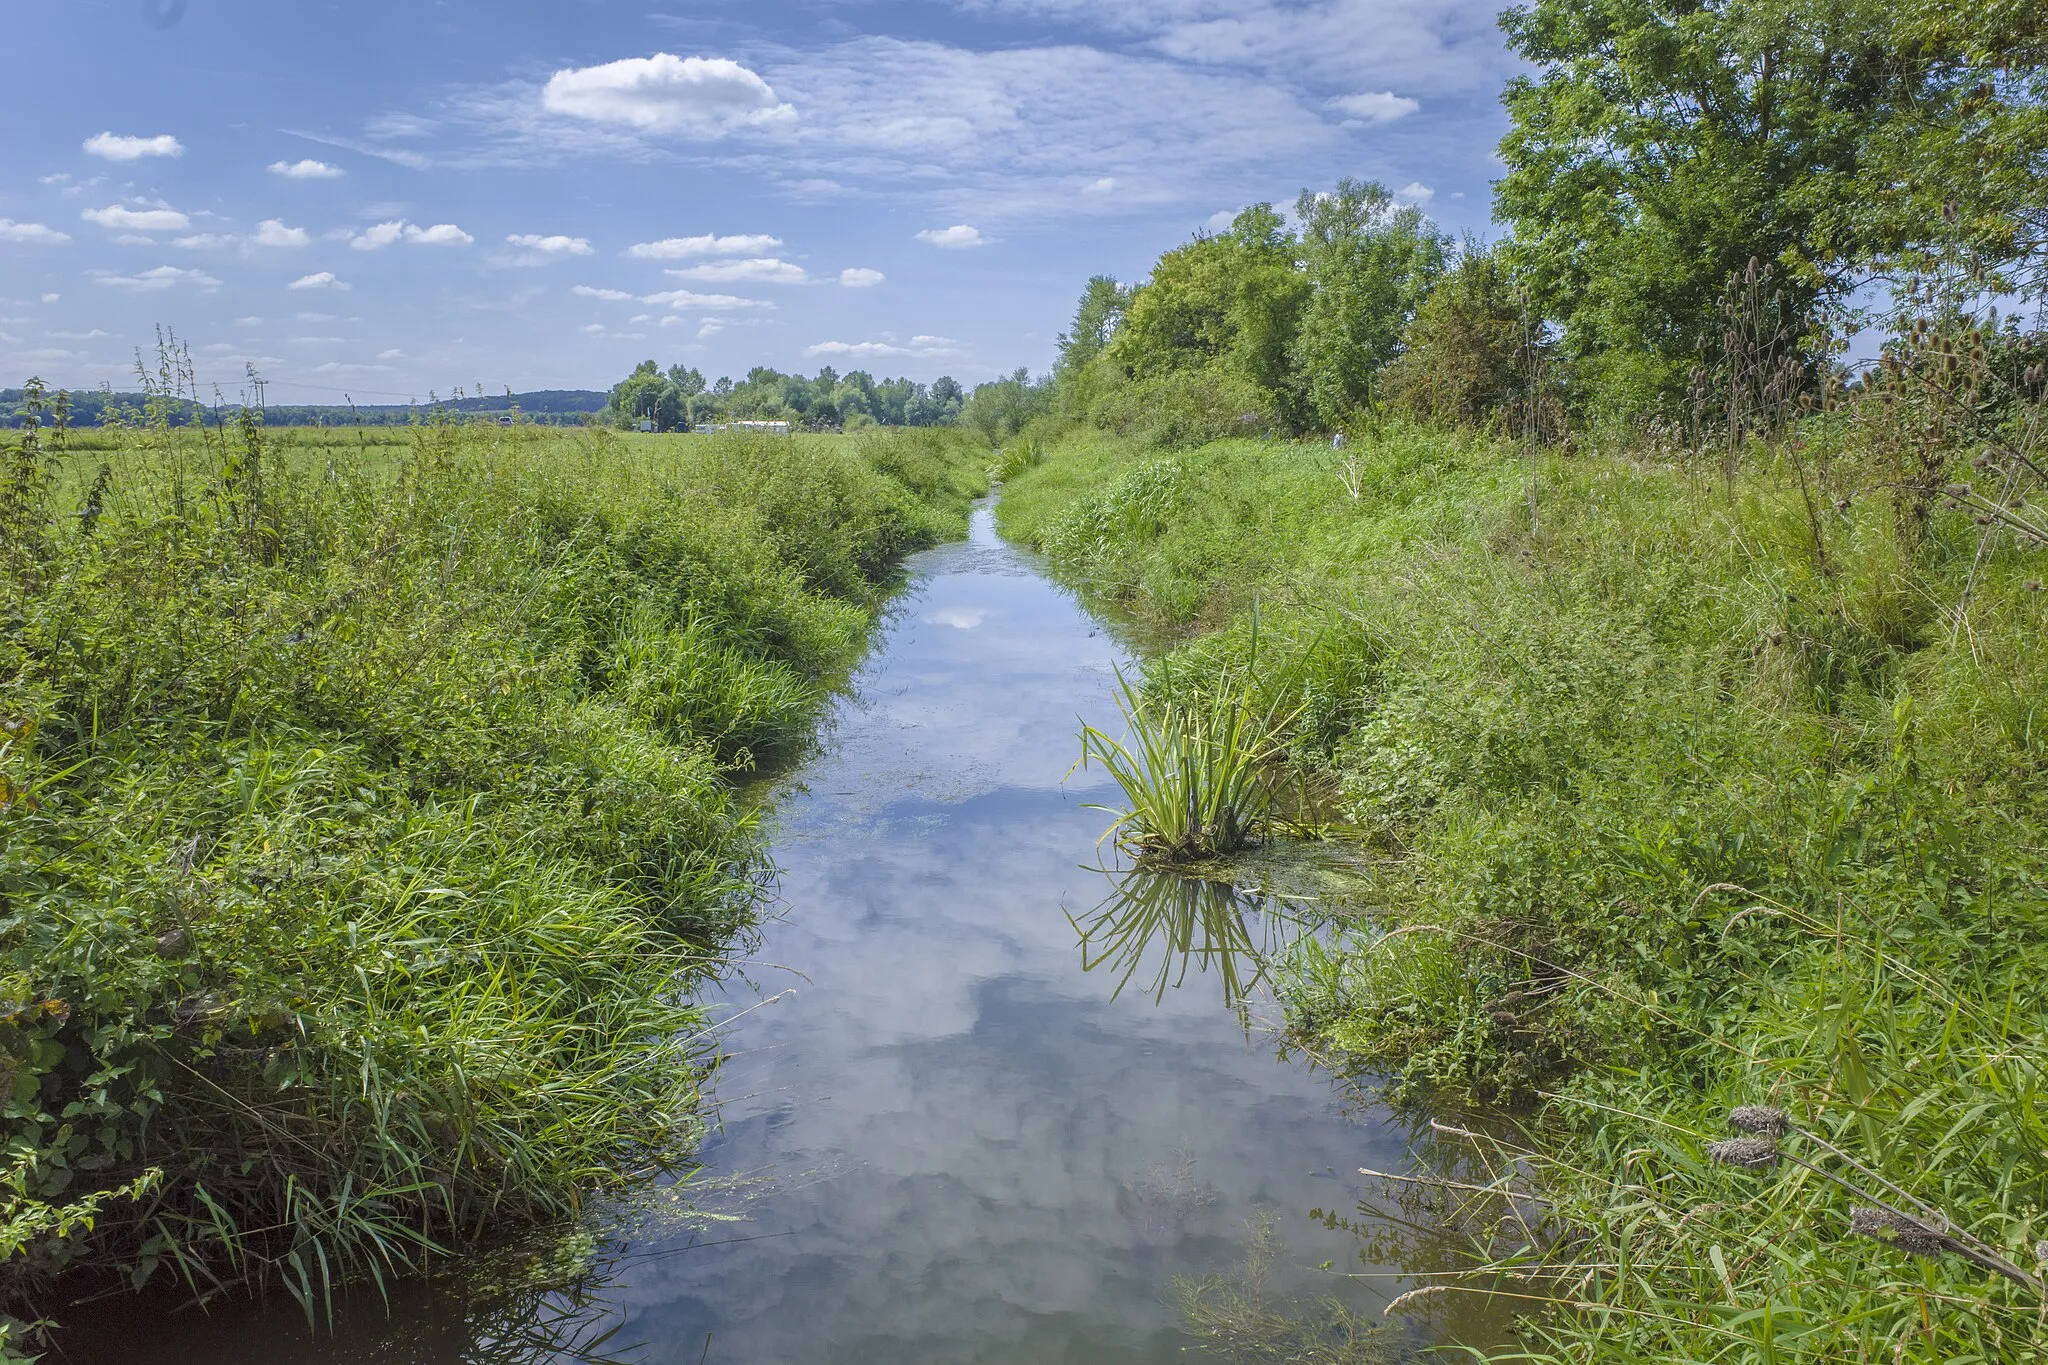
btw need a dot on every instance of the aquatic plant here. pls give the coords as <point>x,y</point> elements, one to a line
<point>1194,772</point>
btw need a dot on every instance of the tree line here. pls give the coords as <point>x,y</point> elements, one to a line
<point>678,398</point>
<point>1842,152</point>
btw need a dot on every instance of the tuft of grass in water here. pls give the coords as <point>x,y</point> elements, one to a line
<point>1194,773</point>
<point>1235,1318</point>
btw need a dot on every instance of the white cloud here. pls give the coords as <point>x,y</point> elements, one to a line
<point>11,231</point>
<point>860,277</point>
<point>763,270</point>
<point>393,354</point>
<point>313,317</point>
<point>53,298</point>
<point>138,220</point>
<point>919,346</point>
<point>1382,107</point>
<point>551,246</point>
<point>697,96</point>
<point>323,279</point>
<point>609,295</point>
<point>1414,192</point>
<point>440,234</point>
<point>273,232</point>
<point>114,147</point>
<point>954,238</point>
<point>203,241</point>
<point>248,322</point>
<point>306,170</point>
<point>716,303</point>
<point>679,248</point>
<point>1101,186</point>
<point>153,281</point>
<point>94,335</point>
<point>384,234</point>
<point>131,239</point>
<point>1221,220</point>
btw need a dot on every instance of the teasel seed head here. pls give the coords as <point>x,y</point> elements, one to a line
<point>1747,1153</point>
<point>1759,1120</point>
<point>1909,1235</point>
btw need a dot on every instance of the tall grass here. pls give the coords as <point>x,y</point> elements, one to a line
<point>1554,736</point>
<point>1194,772</point>
<point>368,818</point>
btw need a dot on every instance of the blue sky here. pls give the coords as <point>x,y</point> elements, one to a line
<point>386,199</point>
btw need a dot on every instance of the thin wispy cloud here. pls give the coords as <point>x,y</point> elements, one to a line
<point>154,281</point>
<point>764,270</point>
<point>710,244</point>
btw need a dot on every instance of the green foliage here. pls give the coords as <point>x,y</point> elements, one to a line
<point>1192,770</point>
<point>1559,735</point>
<point>680,399</point>
<point>1465,359</point>
<point>1369,266</point>
<point>366,817</point>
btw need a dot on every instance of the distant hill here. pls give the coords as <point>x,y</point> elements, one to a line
<point>91,407</point>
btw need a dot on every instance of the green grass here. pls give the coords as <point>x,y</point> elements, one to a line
<point>369,817</point>
<point>1557,737</point>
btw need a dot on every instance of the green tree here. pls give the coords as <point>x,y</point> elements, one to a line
<point>1661,144</point>
<point>1369,266</point>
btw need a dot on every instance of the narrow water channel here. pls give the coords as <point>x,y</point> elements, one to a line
<point>946,1141</point>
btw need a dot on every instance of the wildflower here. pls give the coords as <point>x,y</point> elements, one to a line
<point>1760,1121</point>
<point>1907,1234</point>
<point>1748,1153</point>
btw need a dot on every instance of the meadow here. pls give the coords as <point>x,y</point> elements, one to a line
<point>371,807</point>
<point>1701,790</point>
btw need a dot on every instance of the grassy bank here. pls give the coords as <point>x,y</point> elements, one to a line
<point>1687,789</point>
<point>367,816</point>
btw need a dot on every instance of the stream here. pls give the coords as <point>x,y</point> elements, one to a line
<point>946,1139</point>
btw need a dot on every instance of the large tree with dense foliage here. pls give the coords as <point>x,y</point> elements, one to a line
<point>1661,144</point>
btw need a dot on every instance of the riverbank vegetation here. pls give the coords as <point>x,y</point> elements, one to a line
<point>1678,672</point>
<point>367,814</point>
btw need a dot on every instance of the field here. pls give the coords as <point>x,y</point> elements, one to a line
<point>368,813</point>
<point>1682,799</point>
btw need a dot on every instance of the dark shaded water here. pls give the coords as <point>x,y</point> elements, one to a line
<point>950,1143</point>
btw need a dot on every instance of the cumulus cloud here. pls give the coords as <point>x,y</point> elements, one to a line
<point>762,270</point>
<point>954,238</point>
<point>704,97</point>
<point>203,241</point>
<point>308,169</point>
<point>680,248</point>
<point>322,279</point>
<point>273,232</point>
<point>154,281</point>
<point>138,220</point>
<point>11,231</point>
<point>609,295</point>
<point>114,147</point>
<point>384,234</point>
<point>860,277</point>
<point>556,245</point>
<point>1101,186</point>
<point>1414,192</point>
<point>1382,107</point>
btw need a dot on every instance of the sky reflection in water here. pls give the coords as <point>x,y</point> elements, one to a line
<point>952,1143</point>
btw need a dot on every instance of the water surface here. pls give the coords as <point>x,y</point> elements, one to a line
<point>946,1141</point>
